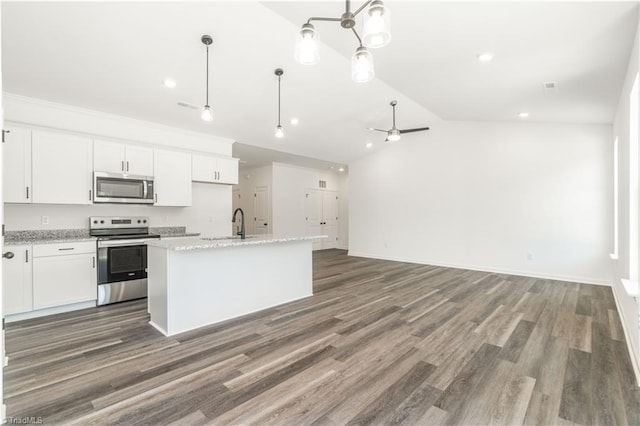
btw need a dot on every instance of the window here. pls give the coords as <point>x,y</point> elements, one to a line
<point>633,181</point>
<point>614,253</point>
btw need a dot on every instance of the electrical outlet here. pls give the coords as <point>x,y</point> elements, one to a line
<point>164,218</point>
<point>529,256</point>
<point>45,220</point>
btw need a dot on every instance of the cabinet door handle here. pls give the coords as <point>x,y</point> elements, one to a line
<point>65,248</point>
<point>4,132</point>
<point>122,165</point>
<point>27,192</point>
<point>90,198</point>
<point>94,262</point>
<point>26,256</point>
<point>8,255</point>
<point>127,166</point>
<point>156,198</point>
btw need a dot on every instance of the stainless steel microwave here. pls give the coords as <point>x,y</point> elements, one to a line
<point>119,188</point>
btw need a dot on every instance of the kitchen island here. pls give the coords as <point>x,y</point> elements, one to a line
<point>194,282</point>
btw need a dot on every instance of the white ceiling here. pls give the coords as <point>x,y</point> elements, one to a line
<point>113,57</point>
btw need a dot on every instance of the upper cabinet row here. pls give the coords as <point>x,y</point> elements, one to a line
<point>57,168</point>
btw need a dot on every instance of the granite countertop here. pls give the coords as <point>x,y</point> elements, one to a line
<point>194,243</point>
<point>47,236</point>
<point>172,232</point>
<point>52,236</point>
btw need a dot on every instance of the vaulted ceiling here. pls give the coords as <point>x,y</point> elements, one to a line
<point>114,56</point>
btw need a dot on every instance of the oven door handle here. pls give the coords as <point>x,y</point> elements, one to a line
<point>144,190</point>
<point>121,243</point>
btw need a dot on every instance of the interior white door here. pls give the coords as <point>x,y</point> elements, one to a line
<point>261,209</point>
<point>330,219</point>
<point>313,213</point>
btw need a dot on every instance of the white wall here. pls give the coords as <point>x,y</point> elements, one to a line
<point>210,213</point>
<point>290,184</point>
<point>627,305</point>
<point>521,198</point>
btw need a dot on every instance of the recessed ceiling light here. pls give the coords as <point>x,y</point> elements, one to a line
<point>369,144</point>
<point>169,83</point>
<point>294,121</point>
<point>341,169</point>
<point>523,115</point>
<point>485,57</point>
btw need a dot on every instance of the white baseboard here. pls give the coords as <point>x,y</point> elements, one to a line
<point>627,336</point>
<point>583,280</point>
<point>49,311</point>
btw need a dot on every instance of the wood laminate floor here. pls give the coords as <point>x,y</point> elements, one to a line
<point>380,342</point>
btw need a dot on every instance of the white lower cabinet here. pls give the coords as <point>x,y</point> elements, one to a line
<point>64,274</point>
<point>17,285</point>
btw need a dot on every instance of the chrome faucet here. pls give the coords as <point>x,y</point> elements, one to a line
<point>233,219</point>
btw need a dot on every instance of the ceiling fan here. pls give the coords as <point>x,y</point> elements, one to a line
<point>394,133</point>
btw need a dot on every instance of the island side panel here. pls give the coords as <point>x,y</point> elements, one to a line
<point>157,278</point>
<point>212,285</point>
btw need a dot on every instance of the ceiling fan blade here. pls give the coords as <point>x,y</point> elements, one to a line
<point>187,105</point>
<point>419,129</point>
<point>377,130</point>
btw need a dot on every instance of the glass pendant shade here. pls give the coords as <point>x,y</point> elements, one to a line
<point>207,114</point>
<point>279,131</point>
<point>393,136</point>
<point>362,65</point>
<point>377,25</point>
<point>307,47</point>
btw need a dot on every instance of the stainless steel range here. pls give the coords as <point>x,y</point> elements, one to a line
<point>122,257</point>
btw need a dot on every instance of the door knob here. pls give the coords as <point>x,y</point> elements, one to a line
<point>8,255</point>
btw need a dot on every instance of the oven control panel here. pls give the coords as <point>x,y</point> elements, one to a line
<point>110,222</point>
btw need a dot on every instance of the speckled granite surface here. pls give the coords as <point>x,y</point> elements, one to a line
<point>46,236</point>
<point>51,236</point>
<point>172,231</point>
<point>195,243</point>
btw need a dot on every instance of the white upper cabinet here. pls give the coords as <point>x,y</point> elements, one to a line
<point>172,178</point>
<point>117,157</point>
<point>17,166</point>
<point>214,169</point>
<point>61,168</point>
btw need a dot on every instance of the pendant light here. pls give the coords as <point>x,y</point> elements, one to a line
<point>377,23</point>
<point>279,131</point>
<point>207,114</point>
<point>377,33</point>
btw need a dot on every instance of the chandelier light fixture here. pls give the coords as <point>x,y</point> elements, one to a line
<point>376,34</point>
<point>279,131</point>
<point>207,114</point>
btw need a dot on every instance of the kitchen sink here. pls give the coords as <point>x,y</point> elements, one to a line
<point>233,237</point>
